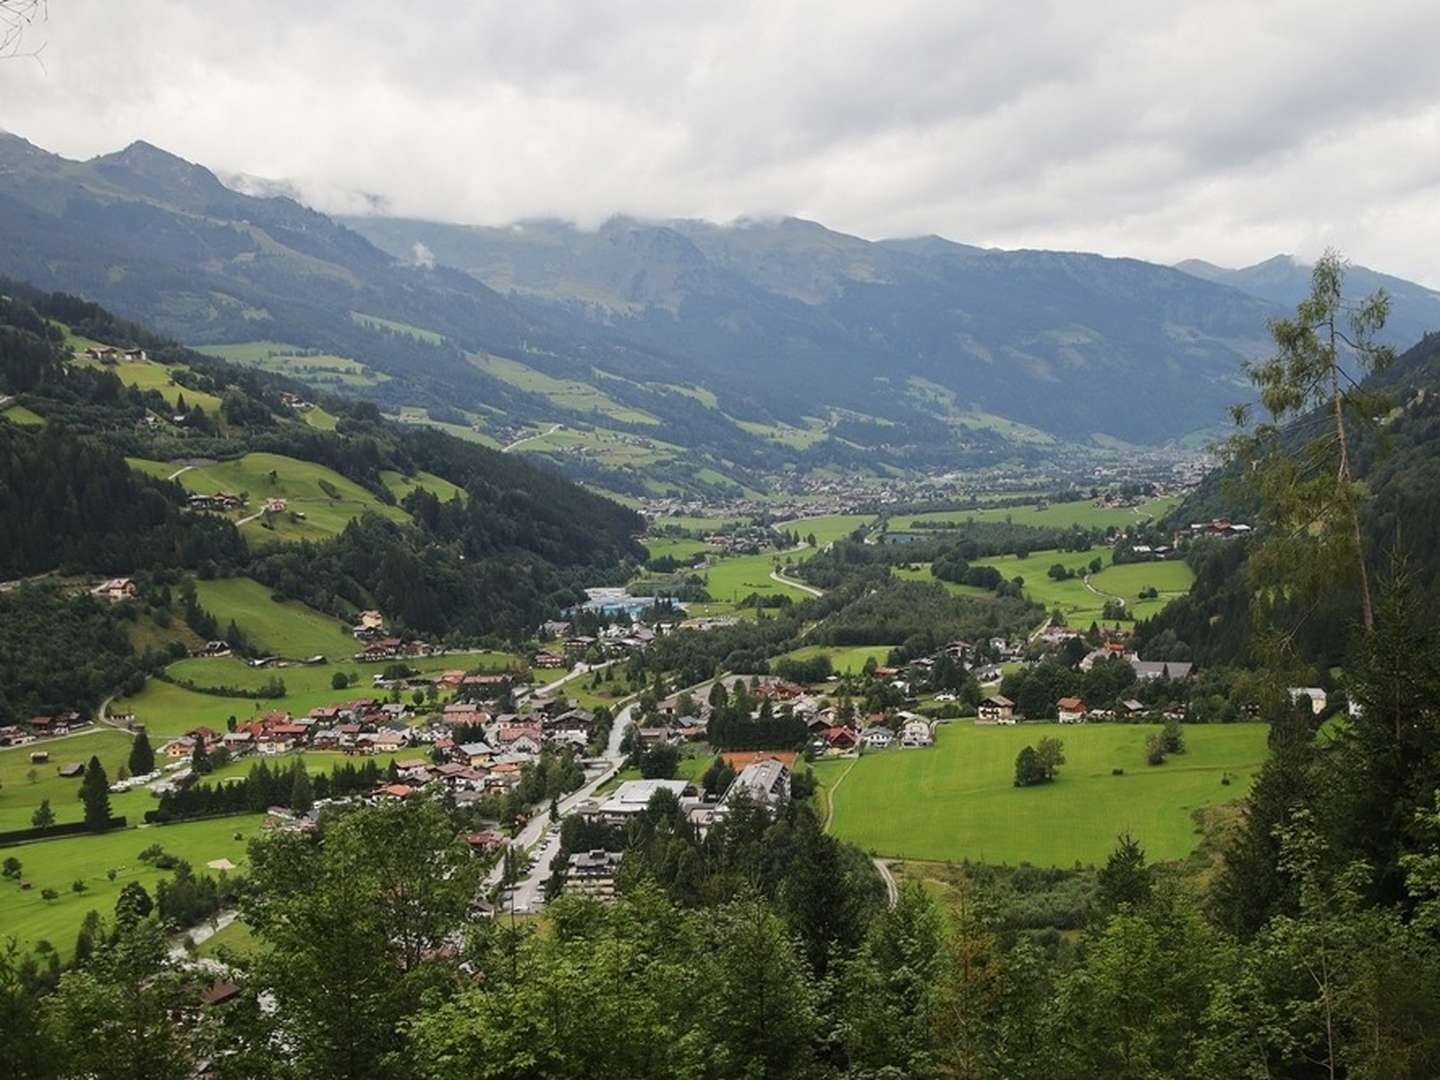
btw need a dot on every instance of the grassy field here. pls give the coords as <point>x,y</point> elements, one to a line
<point>843,659</point>
<point>237,938</point>
<point>168,710</point>
<point>731,580</point>
<point>699,524</point>
<point>1055,515</point>
<point>1080,604</point>
<point>316,369</point>
<point>660,546</point>
<point>827,529</point>
<point>375,322</point>
<point>149,375</point>
<point>569,394</point>
<point>55,864</point>
<point>19,414</point>
<point>19,796</point>
<point>957,800</point>
<point>328,500</point>
<point>401,485</point>
<point>287,628</point>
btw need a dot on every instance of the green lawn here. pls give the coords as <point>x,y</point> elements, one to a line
<point>957,800</point>
<point>827,529</point>
<point>328,500</point>
<point>843,659</point>
<point>56,864</point>
<point>1055,515</point>
<point>287,628</point>
<point>237,938</point>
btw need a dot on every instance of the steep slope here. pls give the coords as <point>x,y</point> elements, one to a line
<point>1074,344</point>
<point>1285,281</point>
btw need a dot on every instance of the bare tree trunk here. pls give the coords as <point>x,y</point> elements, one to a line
<point>1345,479</point>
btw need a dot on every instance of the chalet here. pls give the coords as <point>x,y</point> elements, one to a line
<point>1315,694</point>
<point>765,780</point>
<point>916,733</point>
<point>12,735</point>
<point>1070,710</point>
<point>841,738</point>
<point>1161,669</point>
<point>114,590</point>
<point>476,753</point>
<point>592,873</point>
<point>275,505</point>
<point>581,720</point>
<point>821,722</point>
<point>327,738</point>
<point>1132,708</point>
<point>690,728</point>
<point>960,650</point>
<point>181,747</point>
<point>876,738</point>
<point>653,736</point>
<point>450,680</point>
<point>72,770</point>
<point>396,791</point>
<point>237,742</point>
<point>996,709</point>
<point>508,735</point>
<point>547,660</point>
<point>391,742</point>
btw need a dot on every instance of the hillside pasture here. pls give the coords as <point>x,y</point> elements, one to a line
<point>401,485</point>
<point>20,415</point>
<point>280,627</point>
<point>328,500</point>
<point>730,580</point>
<point>19,796</point>
<point>957,801</point>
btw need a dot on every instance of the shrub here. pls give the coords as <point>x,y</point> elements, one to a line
<point>1117,772</point>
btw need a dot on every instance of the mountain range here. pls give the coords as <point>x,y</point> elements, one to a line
<point>712,353</point>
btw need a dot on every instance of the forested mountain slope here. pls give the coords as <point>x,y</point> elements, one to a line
<point>495,559</point>
<point>1066,342</point>
<point>1399,462</point>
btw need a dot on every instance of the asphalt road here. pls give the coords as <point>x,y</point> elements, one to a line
<point>528,891</point>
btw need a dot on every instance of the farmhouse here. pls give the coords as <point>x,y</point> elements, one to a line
<point>916,733</point>
<point>996,709</point>
<point>114,590</point>
<point>1070,710</point>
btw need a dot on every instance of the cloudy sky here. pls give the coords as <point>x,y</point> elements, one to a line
<point>1219,129</point>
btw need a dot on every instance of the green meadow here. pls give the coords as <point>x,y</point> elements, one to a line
<point>282,627</point>
<point>1079,603</point>
<point>327,500</point>
<point>20,795</point>
<point>659,547</point>
<point>733,579</point>
<point>401,485</point>
<point>956,800</point>
<point>842,659</point>
<point>19,414</point>
<point>56,864</point>
<point>829,528</point>
<point>1054,515</point>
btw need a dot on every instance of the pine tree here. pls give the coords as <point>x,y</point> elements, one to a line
<point>302,794</point>
<point>142,757</point>
<point>44,816</point>
<point>95,793</point>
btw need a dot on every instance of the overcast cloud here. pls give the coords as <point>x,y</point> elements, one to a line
<point>1224,130</point>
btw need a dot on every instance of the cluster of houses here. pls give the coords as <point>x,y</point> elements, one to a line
<point>295,401</point>
<point>41,727</point>
<point>998,709</point>
<point>220,501</point>
<point>109,354</point>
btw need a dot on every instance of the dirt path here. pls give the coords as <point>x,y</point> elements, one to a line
<point>776,576</point>
<point>179,472</point>
<point>830,796</point>
<point>553,428</point>
<point>892,890</point>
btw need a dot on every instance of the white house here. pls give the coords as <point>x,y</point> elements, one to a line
<point>916,733</point>
<point>876,738</point>
<point>1314,693</point>
<point>996,709</point>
